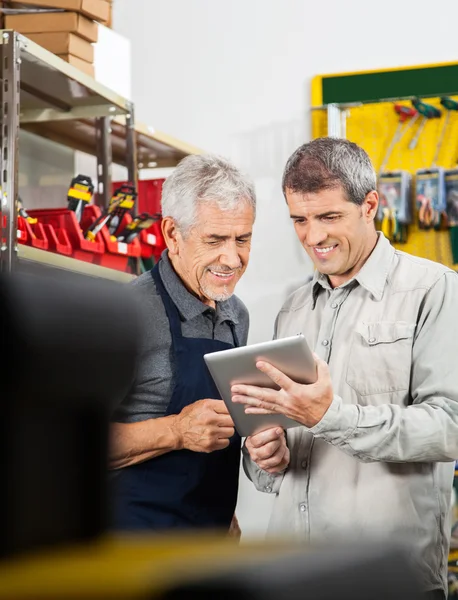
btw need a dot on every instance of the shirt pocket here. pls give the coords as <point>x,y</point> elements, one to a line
<point>380,357</point>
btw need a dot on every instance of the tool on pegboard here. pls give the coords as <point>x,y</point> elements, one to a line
<point>451,193</point>
<point>431,200</point>
<point>139,223</point>
<point>79,195</point>
<point>450,106</point>
<point>407,117</point>
<point>122,202</point>
<point>395,207</point>
<point>427,112</point>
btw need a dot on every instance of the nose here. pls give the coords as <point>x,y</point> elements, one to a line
<point>315,233</point>
<point>230,256</point>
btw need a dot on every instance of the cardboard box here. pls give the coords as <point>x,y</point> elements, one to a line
<point>64,43</point>
<point>50,22</point>
<point>82,65</point>
<point>94,9</point>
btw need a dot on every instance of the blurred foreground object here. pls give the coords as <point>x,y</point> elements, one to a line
<point>69,350</point>
<point>203,567</point>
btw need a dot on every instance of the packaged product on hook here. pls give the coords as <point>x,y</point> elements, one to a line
<point>395,206</point>
<point>430,196</point>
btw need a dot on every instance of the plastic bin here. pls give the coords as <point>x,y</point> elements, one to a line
<point>117,254</point>
<point>31,234</point>
<point>68,236</point>
<point>152,242</point>
<point>149,195</point>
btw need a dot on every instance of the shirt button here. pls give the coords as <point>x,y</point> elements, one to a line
<point>372,340</point>
<point>304,464</point>
<point>326,342</point>
<point>302,507</point>
<point>268,489</point>
<point>334,305</point>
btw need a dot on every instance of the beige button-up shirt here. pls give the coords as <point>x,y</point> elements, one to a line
<point>380,462</point>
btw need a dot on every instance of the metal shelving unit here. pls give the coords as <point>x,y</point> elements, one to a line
<point>45,95</point>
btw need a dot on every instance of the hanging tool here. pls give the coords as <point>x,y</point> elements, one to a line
<point>395,204</point>
<point>427,111</point>
<point>121,202</point>
<point>79,194</point>
<point>127,194</point>
<point>449,105</point>
<point>139,223</point>
<point>405,113</point>
<point>24,214</point>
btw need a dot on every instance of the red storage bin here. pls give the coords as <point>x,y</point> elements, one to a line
<point>116,255</point>
<point>149,195</point>
<point>152,241</point>
<point>69,233</point>
<point>31,234</point>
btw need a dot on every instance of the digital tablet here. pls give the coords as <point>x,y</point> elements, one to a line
<point>290,355</point>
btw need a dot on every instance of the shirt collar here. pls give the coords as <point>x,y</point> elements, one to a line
<point>372,276</point>
<point>187,304</point>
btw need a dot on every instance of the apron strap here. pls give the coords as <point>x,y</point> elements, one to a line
<point>170,308</point>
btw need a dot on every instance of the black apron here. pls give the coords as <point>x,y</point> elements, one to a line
<point>182,489</point>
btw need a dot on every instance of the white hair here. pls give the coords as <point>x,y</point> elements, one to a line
<point>204,178</point>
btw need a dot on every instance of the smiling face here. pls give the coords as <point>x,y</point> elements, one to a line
<point>212,256</point>
<point>337,234</point>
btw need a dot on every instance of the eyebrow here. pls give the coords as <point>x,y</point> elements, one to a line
<point>227,237</point>
<point>320,216</point>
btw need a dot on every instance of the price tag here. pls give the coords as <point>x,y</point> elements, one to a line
<point>151,239</point>
<point>19,234</point>
<point>122,248</point>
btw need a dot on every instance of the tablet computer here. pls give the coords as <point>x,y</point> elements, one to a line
<point>290,355</point>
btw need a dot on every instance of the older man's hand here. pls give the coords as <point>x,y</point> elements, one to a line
<point>305,403</point>
<point>268,450</point>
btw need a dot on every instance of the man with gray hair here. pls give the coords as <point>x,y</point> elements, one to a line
<point>173,442</point>
<point>375,455</point>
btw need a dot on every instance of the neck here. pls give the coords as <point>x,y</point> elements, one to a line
<point>181,273</point>
<point>338,280</point>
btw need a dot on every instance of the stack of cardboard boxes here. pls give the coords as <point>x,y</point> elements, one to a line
<point>70,32</point>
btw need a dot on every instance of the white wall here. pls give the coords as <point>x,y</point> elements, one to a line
<point>233,77</point>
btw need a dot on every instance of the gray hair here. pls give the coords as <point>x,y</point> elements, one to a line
<point>329,163</point>
<point>204,178</point>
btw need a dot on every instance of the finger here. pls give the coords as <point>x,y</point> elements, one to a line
<point>224,421</point>
<point>274,407</point>
<point>267,451</point>
<point>221,444</point>
<point>225,432</point>
<point>252,391</point>
<point>218,406</point>
<point>264,437</point>
<point>273,461</point>
<point>322,370</point>
<point>276,375</point>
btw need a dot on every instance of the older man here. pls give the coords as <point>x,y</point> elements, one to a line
<point>173,439</point>
<point>374,457</point>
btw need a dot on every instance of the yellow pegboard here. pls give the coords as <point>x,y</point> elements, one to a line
<point>372,126</point>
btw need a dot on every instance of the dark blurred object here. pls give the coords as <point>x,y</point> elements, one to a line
<point>68,356</point>
<point>354,572</point>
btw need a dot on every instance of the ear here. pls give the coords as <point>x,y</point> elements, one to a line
<point>171,234</point>
<point>370,206</point>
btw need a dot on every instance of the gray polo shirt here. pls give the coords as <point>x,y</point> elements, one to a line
<point>152,389</point>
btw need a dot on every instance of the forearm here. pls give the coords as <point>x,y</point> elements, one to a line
<point>423,432</point>
<point>132,443</point>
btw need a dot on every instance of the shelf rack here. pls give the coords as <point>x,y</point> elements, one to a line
<point>43,94</point>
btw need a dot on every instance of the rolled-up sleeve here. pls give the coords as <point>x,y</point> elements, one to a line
<point>427,429</point>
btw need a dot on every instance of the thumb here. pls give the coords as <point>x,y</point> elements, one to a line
<point>322,368</point>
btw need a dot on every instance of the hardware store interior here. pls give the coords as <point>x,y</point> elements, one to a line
<point>229,241</point>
